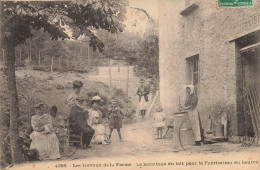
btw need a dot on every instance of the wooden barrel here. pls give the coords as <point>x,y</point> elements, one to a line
<point>182,130</point>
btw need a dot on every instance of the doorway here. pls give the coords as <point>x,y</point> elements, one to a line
<point>248,48</point>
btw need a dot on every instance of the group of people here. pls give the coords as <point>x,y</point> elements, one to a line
<point>190,107</point>
<point>89,121</point>
<point>86,121</point>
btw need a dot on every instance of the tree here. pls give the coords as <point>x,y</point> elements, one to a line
<point>80,17</point>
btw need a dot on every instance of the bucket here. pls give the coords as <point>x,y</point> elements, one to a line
<point>218,130</point>
<point>182,134</point>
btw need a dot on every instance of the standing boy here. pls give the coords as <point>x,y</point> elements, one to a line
<point>115,116</point>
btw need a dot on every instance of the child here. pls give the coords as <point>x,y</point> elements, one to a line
<point>115,117</point>
<point>159,123</point>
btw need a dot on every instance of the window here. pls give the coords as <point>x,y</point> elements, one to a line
<point>193,70</point>
<point>118,69</point>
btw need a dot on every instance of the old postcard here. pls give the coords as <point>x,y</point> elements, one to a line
<point>130,84</point>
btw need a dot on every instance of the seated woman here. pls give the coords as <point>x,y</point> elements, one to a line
<point>95,121</point>
<point>43,137</point>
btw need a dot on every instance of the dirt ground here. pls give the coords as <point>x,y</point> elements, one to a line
<point>139,138</point>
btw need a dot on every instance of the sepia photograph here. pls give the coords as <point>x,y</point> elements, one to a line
<point>130,84</point>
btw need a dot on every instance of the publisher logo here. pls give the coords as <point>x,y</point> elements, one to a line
<point>235,3</point>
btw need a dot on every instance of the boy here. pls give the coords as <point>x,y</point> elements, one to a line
<point>115,117</point>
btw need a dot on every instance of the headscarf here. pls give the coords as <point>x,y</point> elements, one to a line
<point>191,87</point>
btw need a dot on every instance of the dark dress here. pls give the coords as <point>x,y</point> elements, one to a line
<point>192,101</point>
<point>143,90</point>
<point>115,117</point>
<point>78,121</point>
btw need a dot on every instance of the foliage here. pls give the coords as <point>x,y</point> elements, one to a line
<point>58,18</point>
<point>81,17</point>
<point>132,48</point>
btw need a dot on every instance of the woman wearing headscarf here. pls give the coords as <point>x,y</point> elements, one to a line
<point>43,137</point>
<point>95,121</point>
<point>191,106</point>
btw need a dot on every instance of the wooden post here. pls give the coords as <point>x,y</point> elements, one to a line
<point>3,56</point>
<point>127,82</point>
<point>21,55</point>
<point>51,64</point>
<point>89,62</point>
<point>59,62</point>
<point>110,76</point>
<point>39,59</point>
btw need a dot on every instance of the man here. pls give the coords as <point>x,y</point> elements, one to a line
<point>78,121</point>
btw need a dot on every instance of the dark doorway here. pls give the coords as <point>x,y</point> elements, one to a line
<point>248,77</point>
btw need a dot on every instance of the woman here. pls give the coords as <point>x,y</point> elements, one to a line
<point>43,137</point>
<point>143,92</point>
<point>95,121</point>
<point>191,106</point>
<point>71,99</point>
<point>78,121</point>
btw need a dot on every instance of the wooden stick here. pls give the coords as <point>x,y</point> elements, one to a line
<point>256,103</point>
<point>256,111</point>
<point>250,112</point>
<point>154,99</point>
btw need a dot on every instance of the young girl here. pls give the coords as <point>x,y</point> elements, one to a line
<point>159,123</point>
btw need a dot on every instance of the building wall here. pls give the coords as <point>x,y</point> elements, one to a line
<point>206,31</point>
<point>116,71</point>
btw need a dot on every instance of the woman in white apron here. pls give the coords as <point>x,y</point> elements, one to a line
<point>191,107</point>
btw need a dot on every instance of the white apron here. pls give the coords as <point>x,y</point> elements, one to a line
<point>195,124</point>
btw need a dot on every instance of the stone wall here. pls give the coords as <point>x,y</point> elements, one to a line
<point>205,31</point>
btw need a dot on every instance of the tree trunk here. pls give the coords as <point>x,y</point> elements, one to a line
<point>39,59</point>
<point>51,64</point>
<point>14,106</point>
<point>110,77</point>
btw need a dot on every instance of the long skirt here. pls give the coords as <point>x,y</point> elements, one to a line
<point>195,123</point>
<point>142,104</point>
<point>100,134</point>
<point>46,144</point>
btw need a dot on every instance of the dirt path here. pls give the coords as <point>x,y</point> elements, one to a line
<point>138,139</point>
